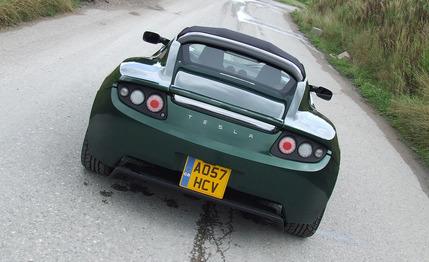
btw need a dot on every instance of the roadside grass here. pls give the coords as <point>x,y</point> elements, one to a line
<point>13,12</point>
<point>297,3</point>
<point>389,45</point>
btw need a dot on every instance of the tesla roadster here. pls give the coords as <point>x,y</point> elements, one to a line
<point>222,115</point>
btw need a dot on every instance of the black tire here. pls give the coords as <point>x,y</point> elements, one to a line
<point>303,230</point>
<point>91,163</point>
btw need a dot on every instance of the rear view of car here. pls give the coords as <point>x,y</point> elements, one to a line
<point>221,115</point>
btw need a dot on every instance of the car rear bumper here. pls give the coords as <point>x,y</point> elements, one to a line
<point>141,170</point>
<point>302,189</point>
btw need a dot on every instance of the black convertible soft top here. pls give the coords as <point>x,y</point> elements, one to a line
<point>245,39</point>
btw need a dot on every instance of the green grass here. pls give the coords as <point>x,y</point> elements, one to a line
<point>298,3</point>
<point>13,12</point>
<point>389,45</point>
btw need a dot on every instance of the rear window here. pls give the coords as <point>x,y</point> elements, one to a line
<point>229,94</point>
<point>239,67</point>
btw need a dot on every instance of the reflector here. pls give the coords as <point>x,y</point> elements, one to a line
<point>137,97</point>
<point>124,91</point>
<point>305,150</point>
<point>318,153</point>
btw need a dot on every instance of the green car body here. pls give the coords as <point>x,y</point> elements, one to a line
<point>121,138</point>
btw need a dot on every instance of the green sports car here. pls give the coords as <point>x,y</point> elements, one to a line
<point>222,115</point>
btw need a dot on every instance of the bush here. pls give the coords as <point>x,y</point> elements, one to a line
<point>13,12</point>
<point>389,45</point>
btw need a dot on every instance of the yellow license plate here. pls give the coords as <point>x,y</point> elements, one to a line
<point>205,178</point>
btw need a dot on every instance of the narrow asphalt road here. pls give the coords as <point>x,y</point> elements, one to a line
<point>51,209</point>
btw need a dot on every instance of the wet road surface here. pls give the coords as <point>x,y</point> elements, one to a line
<point>53,210</point>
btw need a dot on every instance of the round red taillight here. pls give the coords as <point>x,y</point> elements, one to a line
<point>155,103</point>
<point>287,145</point>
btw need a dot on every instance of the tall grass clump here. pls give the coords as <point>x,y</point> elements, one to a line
<point>298,3</point>
<point>389,44</point>
<point>13,12</point>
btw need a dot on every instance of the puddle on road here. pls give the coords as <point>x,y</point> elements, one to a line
<point>214,225</point>
<point>156,7</point>
<point>106,193</point>
<point>213,236</point>
<point>136,187</point>
<point>134,13</point>
<point>119,187</point>
<point>132,187</point>
<point>240,10</point>
<point>171,202</point>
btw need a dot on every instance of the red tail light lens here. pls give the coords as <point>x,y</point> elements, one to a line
<point>287,145</point>
<point>155,103</point>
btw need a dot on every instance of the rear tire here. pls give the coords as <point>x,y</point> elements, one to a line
<point>91,163</point>
<point>303,230</point>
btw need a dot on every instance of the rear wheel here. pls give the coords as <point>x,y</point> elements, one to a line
<point>91,163</point>
<point>303,230</point>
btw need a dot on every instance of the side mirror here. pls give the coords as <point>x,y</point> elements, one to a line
<point>154,38</point>
<point>321,92</point>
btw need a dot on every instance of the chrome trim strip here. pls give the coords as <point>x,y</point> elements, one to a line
<point>171,60</point>
<point>237,78</point>
<point>297,98</point>
<point>291,66</point>
<point>221,111</point>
